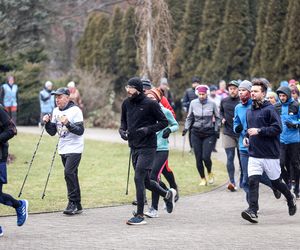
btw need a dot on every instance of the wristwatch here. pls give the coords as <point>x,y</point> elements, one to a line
<point>258,131</point>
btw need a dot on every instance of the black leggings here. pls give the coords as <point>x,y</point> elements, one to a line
<point>160,161</point>
<point>142,160</point>
<point>7,199</point>
<point>203,147</point>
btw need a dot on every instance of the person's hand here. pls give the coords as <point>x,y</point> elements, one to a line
<point>142,131</point>
<point>246,142</point>
<point>223,121</point>
<point>64,120</point>
<point>253,131</point>
<point>166,133</point>
<point>184,132</point>
<point>239,128</point>
<point>291,125</point>
<point>46,118</point>
<point>123,134</point>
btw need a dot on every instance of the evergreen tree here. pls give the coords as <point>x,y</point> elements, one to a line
<point>232,55</point>
<point>128,52</point>
<point>255,62</point>
<point>85,45</point>
<point>213,14</point>
<point>111,44</point>
<point>183,65</point>
<point>177,9</point>
<point>276,14</point>
<point>292,47</point>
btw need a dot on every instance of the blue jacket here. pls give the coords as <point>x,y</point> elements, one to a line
<point>289,112</point>
<point>46,101</point>
<point>163,144</point>
<point>10,95</point>
<point>267,143</point>
<point>240,119</point>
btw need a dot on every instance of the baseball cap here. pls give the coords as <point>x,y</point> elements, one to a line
<point>61,91</point>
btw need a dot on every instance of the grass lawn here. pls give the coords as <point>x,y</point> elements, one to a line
<point>102,174</point>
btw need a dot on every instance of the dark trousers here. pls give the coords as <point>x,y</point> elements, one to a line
<point>71,163</point>
<point>7,199</point>
<point>289,163</point>
<point>169,175</point>
<point>254,191</point>
<point>160,162</point>
<point>203,146</point>
<point>142,161</point>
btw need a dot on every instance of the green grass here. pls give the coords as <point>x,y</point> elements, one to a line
<point>102,174</point>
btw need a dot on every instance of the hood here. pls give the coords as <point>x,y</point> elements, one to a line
<point>284,90</point>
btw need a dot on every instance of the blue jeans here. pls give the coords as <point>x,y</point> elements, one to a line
<point>230,153</point>
<point>245,182</point>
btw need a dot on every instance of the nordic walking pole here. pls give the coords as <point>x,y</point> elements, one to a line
<point>130,154</point>
<point>50,169</point>
<point>31,161</point>
<point>183,145</point>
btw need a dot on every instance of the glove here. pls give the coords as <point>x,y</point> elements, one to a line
<point>142,131</point>
<point>184,132</point>
<point>217,134</point>
<point>239,128</point>
<point>123,134</point>
<point>166,133</point>
<point>291,125</point>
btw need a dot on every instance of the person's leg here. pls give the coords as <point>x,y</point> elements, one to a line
<point>207,148</point>
<point>197,145</point>
<point>169,175</point>
<point>284,172</point>
<point>71,176</point>
<point>230,153</point>
<point>245,181</point>
<point>293,163</point>
<point>272,169</point>
<point>7,199</point>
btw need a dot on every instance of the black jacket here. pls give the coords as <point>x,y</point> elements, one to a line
<point>7,131</point>
<point>189,96</point>
<point>266,143</point>
<point>227,107</point>
<point>141,112</point>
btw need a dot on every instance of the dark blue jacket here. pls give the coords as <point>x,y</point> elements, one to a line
<point>266,144</point>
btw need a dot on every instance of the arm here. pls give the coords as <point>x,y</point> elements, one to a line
<point>217,117</point>
<point>185,100</point>
<point>237,124</point>
<point>173,124</point>
<point>190,118</point>
<point>161,119</point>
<point>45,98</point>
<point>51,128</point>
<point>76,128</point>
<point>123,128</point>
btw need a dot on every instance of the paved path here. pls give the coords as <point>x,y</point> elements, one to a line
<point>206,221</point>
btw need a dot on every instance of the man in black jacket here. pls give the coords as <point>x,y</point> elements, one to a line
<point>67,121</point>
<point>230,139</point>
<point>264,127</point>
<point>141,118</point>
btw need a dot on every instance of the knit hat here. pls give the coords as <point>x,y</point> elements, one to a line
<point>146,84</point>
<point>156,92</point>
<point>201,89</point>
<point>284,84</point>
<point>136,83</point>
<point>245,85</point>
<point>195,79</point>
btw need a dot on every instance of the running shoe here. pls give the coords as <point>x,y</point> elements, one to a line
<point>136,220</point>
<point>250,216</point>
<point>22,213</point>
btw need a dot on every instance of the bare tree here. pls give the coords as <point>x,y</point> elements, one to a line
<point>154,30</point>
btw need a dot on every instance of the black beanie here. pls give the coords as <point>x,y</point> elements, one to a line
<point>136,83</point>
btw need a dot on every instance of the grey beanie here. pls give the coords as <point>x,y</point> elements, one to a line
<point>245,85</point>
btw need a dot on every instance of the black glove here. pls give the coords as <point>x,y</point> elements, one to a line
<point>166,133</point>
<point>291,125</point>
<point>239,128</point>
<point>123,134</point>
<point>184,132</point>
<point>217,134</point>
<point>142,131</point>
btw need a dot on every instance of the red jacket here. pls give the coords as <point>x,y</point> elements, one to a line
<point>164,101</point>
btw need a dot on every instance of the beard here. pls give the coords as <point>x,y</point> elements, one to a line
<point>133,96</point>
